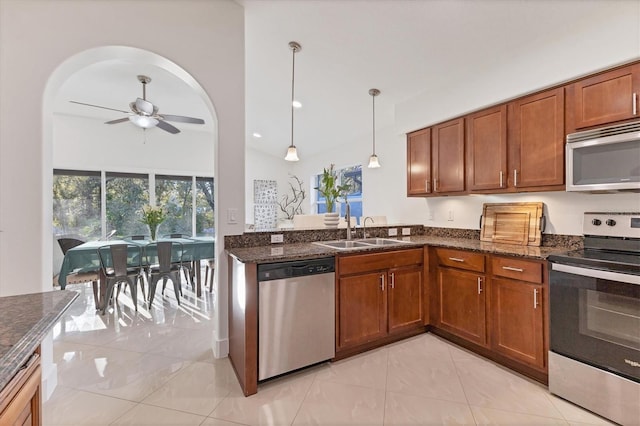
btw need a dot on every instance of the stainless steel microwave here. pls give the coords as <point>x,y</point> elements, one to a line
<point>605,159</point>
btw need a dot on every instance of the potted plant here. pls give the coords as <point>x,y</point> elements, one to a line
<point>331,192</point>
<point>153,216</point>
<point>291,204</point>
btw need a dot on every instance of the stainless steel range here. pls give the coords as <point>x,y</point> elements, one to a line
<point>594,307</point>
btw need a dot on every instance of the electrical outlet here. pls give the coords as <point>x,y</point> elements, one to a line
<point>277,251</point>
<point>450,216</point>
<point>393,232</point>
<point>406,231</point>
<point>277,238</point>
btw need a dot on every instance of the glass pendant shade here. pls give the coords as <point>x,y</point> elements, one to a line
<point>373,162</point>
<point>143,121</point>
<point>292,154</point>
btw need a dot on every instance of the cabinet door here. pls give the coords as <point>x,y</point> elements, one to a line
<point>487,149</point>
<point>462,304</point>
<point>448,156</point>
<point>517,314</point>
<point>419,162</point>
<point>363,308</point>
<point>405,298</point>
<point>606,98</point>
<point>536,140</point>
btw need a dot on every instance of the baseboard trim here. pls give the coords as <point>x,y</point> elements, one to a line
<point>220,347</point>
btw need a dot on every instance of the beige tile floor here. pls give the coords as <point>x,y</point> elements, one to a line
<point>156,368</point>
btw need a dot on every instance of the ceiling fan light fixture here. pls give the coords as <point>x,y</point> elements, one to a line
<point>373,159</point>
<point>292,152</point>
<point>143,121</point>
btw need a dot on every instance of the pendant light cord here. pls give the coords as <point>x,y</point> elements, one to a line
<point>293,79</point>
<point>374,124</point>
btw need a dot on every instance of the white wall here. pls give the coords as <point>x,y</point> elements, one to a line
<point>36,36</point>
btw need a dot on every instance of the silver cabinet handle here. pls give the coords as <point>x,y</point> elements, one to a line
<point>456,259</point>
<point>435,185</point>
<point>393,280</point>
<point>515,177</point>
<point>382,282</point>
<point>635,103</point>
<point>511,268</point>
<point>535,298</point>
<point>479,285</point>
<point>426,184</point>
<point>501,179</point>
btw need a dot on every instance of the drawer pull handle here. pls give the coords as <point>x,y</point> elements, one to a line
<point>511,268</point>
<point>456,259</point>
<point>382,282</point>
<point>393,280</point>
<point>479,285</point>
<point>535,298</point>
<point>515,177</point>
<point>501,179</point>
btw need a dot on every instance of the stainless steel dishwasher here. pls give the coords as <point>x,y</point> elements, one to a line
<point>296,315</point>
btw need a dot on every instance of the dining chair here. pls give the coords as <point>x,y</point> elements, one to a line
<point>136,237</point>
<point>210,265</point>
<point>79,277</point>
<point>188,263</point>
<point>120,264</point>
<point>163,262</point>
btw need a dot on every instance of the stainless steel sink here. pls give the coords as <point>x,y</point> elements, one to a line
<point>343,244</point>
<point>358,244</point>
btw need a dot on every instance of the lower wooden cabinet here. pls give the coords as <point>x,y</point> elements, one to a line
<point>379,295</point>
<point>20,402</point>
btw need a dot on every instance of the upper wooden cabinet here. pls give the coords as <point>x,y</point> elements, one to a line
<point>448,156</point>
<point>536,141</point>
<point>419,162</point>
<point>486,149</point>
<point>604,98</point>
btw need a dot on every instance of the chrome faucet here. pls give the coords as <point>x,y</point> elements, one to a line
<point>347,217</point>
<point>364,226</point>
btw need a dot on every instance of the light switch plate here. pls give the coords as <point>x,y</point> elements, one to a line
<point>406,231</point>
<point>277,238</point>
<point>232,216</point>
<point>393,232</point>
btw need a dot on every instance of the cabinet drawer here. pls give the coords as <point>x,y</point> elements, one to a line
<point>461,259</point>
<point>518,269</point>
<point>353,264</point>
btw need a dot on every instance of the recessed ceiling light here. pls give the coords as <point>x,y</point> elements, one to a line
<point>296,104</point>
<point>257,135</point>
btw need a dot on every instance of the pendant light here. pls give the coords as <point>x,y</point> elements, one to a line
<point>292,152</point>
<point>373,159</point>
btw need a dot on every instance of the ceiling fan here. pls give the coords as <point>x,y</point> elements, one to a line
<point>144,114</point>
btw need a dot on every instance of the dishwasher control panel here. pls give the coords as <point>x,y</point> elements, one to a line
<point>296,268</point>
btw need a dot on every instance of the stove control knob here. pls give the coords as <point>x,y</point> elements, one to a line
<point>596,222</point>
<point>611,222</point>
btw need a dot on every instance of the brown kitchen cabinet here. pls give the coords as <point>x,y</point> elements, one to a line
<point>603,99</point>
<point>20,401</point>
<point>486,149</point>
<point>461,291</point>
<point>517,310</point>
<point>379,295</point>
<point>448,157</point>
<point>536,141</point>
<point>419,162</point>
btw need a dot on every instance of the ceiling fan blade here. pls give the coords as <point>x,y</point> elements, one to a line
<point>119,120</point>
<point>145,107</point>
<point>182,119</point>
<point>98,106</point>
<point>168,127</point>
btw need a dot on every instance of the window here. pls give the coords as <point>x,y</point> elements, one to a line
<point>78,209</point>
<point>351,176</point>
<point>76,203</point>
<point>126,194</point>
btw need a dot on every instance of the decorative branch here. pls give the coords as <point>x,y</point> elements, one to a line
<point>291,204</point>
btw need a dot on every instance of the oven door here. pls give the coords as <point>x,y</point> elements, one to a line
<point>595,318</point>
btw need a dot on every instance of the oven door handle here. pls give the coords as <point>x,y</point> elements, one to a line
<point>597,273</point>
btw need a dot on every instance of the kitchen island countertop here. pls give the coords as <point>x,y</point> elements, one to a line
<point>297,251</point>
<point>24,321</point>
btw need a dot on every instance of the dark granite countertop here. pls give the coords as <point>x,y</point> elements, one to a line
<point>286,252</point>
<point>24,321</point>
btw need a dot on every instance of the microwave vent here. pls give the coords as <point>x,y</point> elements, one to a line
<point>604,131</point>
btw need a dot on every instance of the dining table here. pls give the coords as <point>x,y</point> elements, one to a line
<point>84,257</point>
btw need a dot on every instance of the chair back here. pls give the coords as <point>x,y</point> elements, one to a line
<point>163,254</point>
<point>116,257</point>
<point>68,243</point>
<point>137,237</point>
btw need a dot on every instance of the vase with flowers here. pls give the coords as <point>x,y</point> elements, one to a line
<point>153,216</point>
<point>331,191</point>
